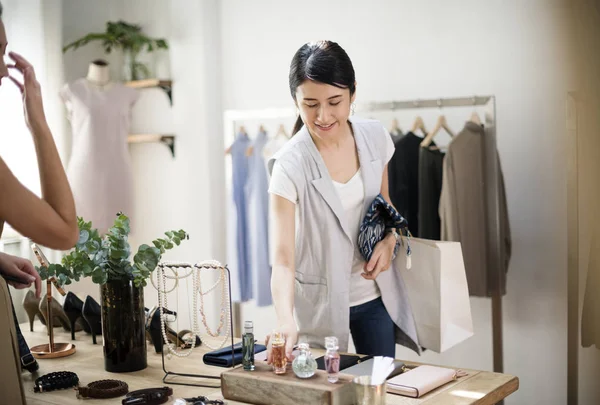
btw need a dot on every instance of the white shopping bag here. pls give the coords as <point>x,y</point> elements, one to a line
<point>437,289</point>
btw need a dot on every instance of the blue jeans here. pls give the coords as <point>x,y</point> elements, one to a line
<point>372,329</point>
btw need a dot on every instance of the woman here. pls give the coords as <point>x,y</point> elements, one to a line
<point>49,221</point>
<point>322,182</point>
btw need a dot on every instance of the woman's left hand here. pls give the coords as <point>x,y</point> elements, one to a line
<point>381,259</point>
<point>22,269</point>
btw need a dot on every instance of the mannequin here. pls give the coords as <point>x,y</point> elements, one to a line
<point>99,74</point>
<point>99,168</point>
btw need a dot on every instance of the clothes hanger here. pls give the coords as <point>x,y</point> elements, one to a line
<point>395,127</point>
<point>419,125</point>
<point>282,132</point>
<point>474,115</point>
<point>475,118</point>
<point>241,130</point>
<point>440,124</point>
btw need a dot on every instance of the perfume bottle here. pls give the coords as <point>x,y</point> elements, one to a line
<point>278,353</point>
<point>304,365</point>
<point>332,359</point>
<point>248,346</point>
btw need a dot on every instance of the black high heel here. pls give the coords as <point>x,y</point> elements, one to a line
<point>73,307</point>
<point>92,314</point>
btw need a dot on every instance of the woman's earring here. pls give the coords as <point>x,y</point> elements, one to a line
<point>352,108</point>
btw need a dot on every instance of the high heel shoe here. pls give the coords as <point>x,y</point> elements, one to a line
<point>58,315</point>
<point>92,313</point>
<point>73,307</point>
<point>183,339</point>
<point>31,306</point>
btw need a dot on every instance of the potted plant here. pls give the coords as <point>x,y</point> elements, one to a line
<point>107,261</point>
<point>130,39</point>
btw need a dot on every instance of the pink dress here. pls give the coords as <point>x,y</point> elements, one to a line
<point>99,170</point>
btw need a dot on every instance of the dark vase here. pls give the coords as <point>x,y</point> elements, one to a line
<point>123,327</point>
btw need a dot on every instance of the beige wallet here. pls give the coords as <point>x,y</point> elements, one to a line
<point>420,380</point>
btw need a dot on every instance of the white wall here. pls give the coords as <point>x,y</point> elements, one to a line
<point>170,193</point>
<point>415,49</point>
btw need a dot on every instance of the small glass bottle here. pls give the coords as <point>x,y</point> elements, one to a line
<point>278,353</point>
<point>248,346</point>
<point>304,365</point>
<point>332,359</point>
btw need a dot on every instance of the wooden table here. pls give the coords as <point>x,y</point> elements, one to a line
<point>478,388</point>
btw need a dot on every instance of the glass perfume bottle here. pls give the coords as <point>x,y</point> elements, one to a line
<point>248,346</point>
<point>278,353</point>
<point>304,365</point>
<point>332,359</point>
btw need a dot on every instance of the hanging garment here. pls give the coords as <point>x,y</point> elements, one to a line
<point>257,197</point>
<point>239,180</point>
<point>590,318</point>
<point>99,170</point>
<point>431,162</point>
<point>403,179</point>
<point>396,135</point>
<point>462,207</point>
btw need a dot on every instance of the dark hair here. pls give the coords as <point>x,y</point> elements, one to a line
<point>323,62</point>
<point>0,10</point>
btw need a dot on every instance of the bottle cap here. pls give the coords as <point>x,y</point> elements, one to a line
<point>277,337</point>
<point>303,346</point>
<point>331,342</point>
<point>248,327</point>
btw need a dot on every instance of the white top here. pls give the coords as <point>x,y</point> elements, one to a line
<point>352,196</point>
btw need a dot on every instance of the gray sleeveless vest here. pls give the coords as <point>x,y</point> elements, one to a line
<point>324,246</point>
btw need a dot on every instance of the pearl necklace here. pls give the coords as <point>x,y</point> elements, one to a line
<point>195,272</point>
<point>162,303</point>
<point>225,315</point>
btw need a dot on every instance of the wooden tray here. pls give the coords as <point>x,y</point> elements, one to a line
<point>263,387</point>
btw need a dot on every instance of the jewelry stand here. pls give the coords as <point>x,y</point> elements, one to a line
<point>195,267</point>
<point>52,350</point>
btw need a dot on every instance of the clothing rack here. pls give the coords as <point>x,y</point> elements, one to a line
<point>233,117</point>
<point>495,248</point>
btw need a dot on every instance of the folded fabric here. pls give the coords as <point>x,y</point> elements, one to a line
<point>223,358</point>
<point>380,217</point>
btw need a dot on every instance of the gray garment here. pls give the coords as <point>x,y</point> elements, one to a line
<point>324,246</point>
<point>462,208</point>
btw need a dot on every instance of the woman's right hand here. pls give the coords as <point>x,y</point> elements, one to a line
<point>290,332</point>
<point>32,94</point>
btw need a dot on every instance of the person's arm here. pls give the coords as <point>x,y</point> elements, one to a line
<point>50,221</point>
<point>381,259</point>
<point>282,277</point>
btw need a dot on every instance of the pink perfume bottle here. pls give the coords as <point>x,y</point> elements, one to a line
<point>332,359</point>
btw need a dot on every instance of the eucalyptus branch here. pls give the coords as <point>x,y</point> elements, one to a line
<point>107,259</point>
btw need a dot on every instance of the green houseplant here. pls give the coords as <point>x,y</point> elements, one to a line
<point>127,37</point>
<point>107,261</point>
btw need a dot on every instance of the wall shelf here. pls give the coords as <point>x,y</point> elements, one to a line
<point>168,140</point>
<point>165,85</point>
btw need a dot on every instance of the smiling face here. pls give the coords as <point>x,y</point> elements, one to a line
<point>3,43</point>
<point>324,108</point>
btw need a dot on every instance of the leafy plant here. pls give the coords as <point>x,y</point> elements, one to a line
<point>107,259</point>
<point>124,36</point>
